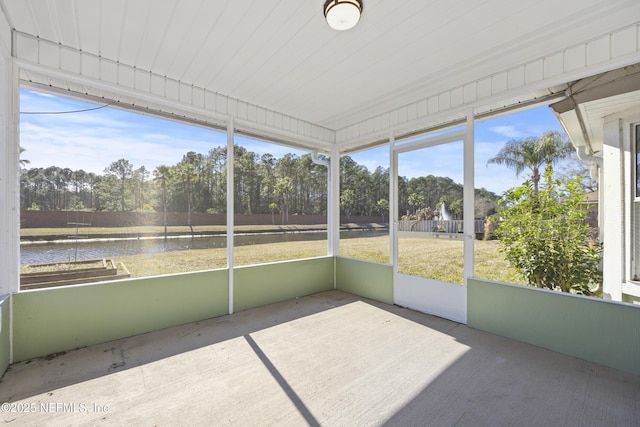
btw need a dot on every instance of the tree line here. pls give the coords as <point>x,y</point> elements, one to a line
<point>263,184</point>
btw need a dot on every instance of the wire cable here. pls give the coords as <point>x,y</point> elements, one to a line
<point>68,112</point>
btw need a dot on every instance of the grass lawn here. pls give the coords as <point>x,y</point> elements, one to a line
<point>206,259</point>
<point>436,258</point>
<point>439,259</point>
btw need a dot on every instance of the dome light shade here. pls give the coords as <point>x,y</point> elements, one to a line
<point>342,14</point>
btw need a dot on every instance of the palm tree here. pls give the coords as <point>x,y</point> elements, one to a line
<point>272,208</point>
<point>23,162</point>
<point>347,200</point>
<point>532,153</point>
<point>186,173</point>
<point>415,200</point>
<point>162,175</point>
<point>383,207</point>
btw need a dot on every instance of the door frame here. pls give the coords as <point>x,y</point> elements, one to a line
<point>443,299</point>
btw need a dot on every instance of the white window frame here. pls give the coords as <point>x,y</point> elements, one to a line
<point>617,187</point>
<point>631,132</point>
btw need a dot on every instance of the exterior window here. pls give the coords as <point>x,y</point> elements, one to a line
<point>280,203</point>
<point>635,216</point>
<point>112,194</point>
<point>637,145</point>
<point>364,205</point>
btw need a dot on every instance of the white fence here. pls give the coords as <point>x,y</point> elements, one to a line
<point>442,226</point>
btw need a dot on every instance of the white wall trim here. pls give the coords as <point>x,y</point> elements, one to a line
<point>94,75</point>
<point>520,83</point>
<point>603,53</point>
<point>631,288</point>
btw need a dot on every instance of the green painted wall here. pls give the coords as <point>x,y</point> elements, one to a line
<point>52,320</point>
<point>592,329</point>
<point>5,346</point>
<point>364,278</point>
<point>259,285</point>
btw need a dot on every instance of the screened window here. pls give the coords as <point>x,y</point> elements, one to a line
<point>636,207</point>
<point>111,194</point>
<point>280,203</point>
<point>364,205</point>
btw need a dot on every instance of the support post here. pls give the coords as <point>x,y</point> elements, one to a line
<point>333,208</point>
<point>9,187</point>
<point>9,178</point>
<point>327,164</point>
<point>469,198</point>
<point>230,209</point>
<point>616,157</point>
<point>393,203</point>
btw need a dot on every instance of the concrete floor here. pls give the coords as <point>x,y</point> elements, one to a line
<point>330,359</point>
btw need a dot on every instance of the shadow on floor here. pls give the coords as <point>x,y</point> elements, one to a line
<point>126,353</point>
<point>330,359</point>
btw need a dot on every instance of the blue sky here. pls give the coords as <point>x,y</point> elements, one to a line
<point>91,140</point>
<point>490,136</point>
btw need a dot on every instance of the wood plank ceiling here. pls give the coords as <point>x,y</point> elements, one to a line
<point>280,54</point>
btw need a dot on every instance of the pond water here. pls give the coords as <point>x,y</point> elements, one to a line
<point>36,253</point>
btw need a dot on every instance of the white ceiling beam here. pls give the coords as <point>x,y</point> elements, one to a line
<point>526,80</point>
<point>120,80</point>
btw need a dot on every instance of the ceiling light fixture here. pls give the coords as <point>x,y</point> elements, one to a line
<point>342,14</point>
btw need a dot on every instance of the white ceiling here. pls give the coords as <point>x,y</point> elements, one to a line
<point>281,55</point>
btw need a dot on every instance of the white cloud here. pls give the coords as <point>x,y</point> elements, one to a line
<point>372,158</point>
<point>507,131</point>
<point>442,160</point>
<point>91,140</point>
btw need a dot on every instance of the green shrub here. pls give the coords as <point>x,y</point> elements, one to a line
<point>544,236</point>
